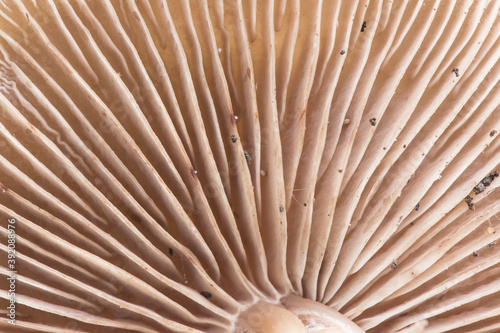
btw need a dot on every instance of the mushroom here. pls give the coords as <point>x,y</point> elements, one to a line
<point>249,166</point>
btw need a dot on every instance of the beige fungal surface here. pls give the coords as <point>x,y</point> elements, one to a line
<point>250,166</point>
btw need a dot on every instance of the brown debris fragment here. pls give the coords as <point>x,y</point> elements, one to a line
<point>248,158</point>
<point>206,294</point>
<point>468,201</point>
<point>485,182</point>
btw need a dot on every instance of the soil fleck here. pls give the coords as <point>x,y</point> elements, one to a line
<point>248,158</point>
<point>479,188</point>
<point>468,201</point>
<point>363,27</point>
<point>206,294</point>
<point>485,182</point>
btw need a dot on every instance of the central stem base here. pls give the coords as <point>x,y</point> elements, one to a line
<point>293,315</point>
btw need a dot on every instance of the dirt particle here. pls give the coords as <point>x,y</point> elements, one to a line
<point>170,251</point>
<point>233,138</point>
<point>282,209</point>
<point>475,254</point>
<point>455,70</point>
<point>394,265</point>
<point>206,294</point>
<point>342,52</point>
<point>363,26</point>
<point>493,132</point>
<point>305,205</point>
<point>248,158</point>
<point>479,188</point>
<point>417,206</point>
<point>468,201</point>
<point>485,182</point>
<point>373,121</point>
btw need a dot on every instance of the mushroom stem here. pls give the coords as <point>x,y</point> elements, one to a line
<point>265,317</point>
<point>293,314</point>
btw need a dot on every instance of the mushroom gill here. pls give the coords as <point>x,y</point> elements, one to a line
<point>250,166</point>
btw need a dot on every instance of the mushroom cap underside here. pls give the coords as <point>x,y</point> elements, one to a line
<point>220,166</point>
